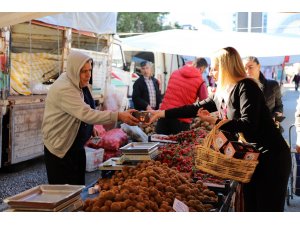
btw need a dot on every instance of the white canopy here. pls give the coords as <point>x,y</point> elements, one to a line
<point>270,49</point>
<point>97,22</point>
<point>12,18</point>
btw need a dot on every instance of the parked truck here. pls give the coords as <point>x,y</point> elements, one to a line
<point>32,55</point>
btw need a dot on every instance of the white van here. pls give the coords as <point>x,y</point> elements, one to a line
<point>163,64</point>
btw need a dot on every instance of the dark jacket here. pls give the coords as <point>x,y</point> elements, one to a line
<point>248,113</point>
<point>140,94</point>
<point>272,93</point>
<point>296,78</point>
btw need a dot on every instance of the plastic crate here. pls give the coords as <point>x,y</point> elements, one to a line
<point>94,157</point>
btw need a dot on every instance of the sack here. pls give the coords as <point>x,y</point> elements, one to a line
<point>100,129</point>
<point>114,139</point>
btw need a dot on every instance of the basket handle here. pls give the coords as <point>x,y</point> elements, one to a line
<point>211,135</point>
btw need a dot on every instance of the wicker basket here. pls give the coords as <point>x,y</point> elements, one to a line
<point>216,163</point>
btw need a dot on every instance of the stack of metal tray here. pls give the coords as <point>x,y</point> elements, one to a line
<point>139,147</point>
<point>48,198</point>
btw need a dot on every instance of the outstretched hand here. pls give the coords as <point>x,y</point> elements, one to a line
<point>155,115</point>
<point>128,118</point>
<point>204,115</point>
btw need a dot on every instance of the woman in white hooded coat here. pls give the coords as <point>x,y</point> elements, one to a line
<point>68,121</point>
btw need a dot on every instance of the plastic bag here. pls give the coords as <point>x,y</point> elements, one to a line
<point>94,157</point>
<point>135,132</point>
<point>100,129</point>
<point>94,142</point>
<point>39,88</point>
<point>113,99</point>
<point>114,139</point>
<point>110,154</point>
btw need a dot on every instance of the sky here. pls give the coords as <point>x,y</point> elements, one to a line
<point>195,18</point>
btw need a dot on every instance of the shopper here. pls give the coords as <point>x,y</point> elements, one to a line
<point>185,86</point>
<point>296,79</point>
<point>270,88</point>
<point>68,118</point>
<point>241,101</point>
<point>146,94</point>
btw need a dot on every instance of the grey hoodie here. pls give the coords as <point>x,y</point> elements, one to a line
<point>65,108</point>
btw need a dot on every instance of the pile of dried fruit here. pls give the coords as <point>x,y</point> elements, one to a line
<point>150,187</point>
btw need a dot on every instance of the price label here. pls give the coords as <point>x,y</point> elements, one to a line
<point>179,206</point>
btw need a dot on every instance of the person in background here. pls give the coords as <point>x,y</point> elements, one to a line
<point>270,88</point>
<point>68,121</point>
<point>146,94</point>
<point>296,79</point>
<point>240,100</point>
<point>185,86</point>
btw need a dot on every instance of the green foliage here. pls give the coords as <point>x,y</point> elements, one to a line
<point>140,22</point>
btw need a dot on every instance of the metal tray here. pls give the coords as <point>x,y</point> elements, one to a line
<point>44,196</point>
<point>140,146</point>
<point>161,138</point>
<point>68,206</point>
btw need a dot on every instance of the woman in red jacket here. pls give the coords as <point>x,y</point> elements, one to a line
<point>184,87</point>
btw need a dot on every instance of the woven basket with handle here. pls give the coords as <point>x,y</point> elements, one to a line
<point>218,164</point>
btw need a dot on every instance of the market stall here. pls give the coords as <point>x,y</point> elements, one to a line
<point>156,174</point>
<point>173,153</point>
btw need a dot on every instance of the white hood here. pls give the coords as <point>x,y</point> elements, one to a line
<point>75,62</point>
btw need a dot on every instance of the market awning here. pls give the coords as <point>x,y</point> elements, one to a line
<point>97,22</point>
<point>12,18</point>
<point>270,49</point>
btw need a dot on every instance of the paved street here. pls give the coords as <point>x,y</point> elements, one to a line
<point>289,99</point>
<point>27,175</point>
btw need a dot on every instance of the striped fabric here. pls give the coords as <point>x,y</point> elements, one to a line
<point>152,93</point>
<point>27,68</point>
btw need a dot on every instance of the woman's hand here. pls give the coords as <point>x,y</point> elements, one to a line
<point>204,115</point>
<point>155,115</point>
<point>128,118</point>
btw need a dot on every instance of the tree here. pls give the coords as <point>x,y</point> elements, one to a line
<point>140,22</point>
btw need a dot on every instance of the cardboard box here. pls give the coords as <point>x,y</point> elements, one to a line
<point>239,150</point>
<point>221,139</point>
